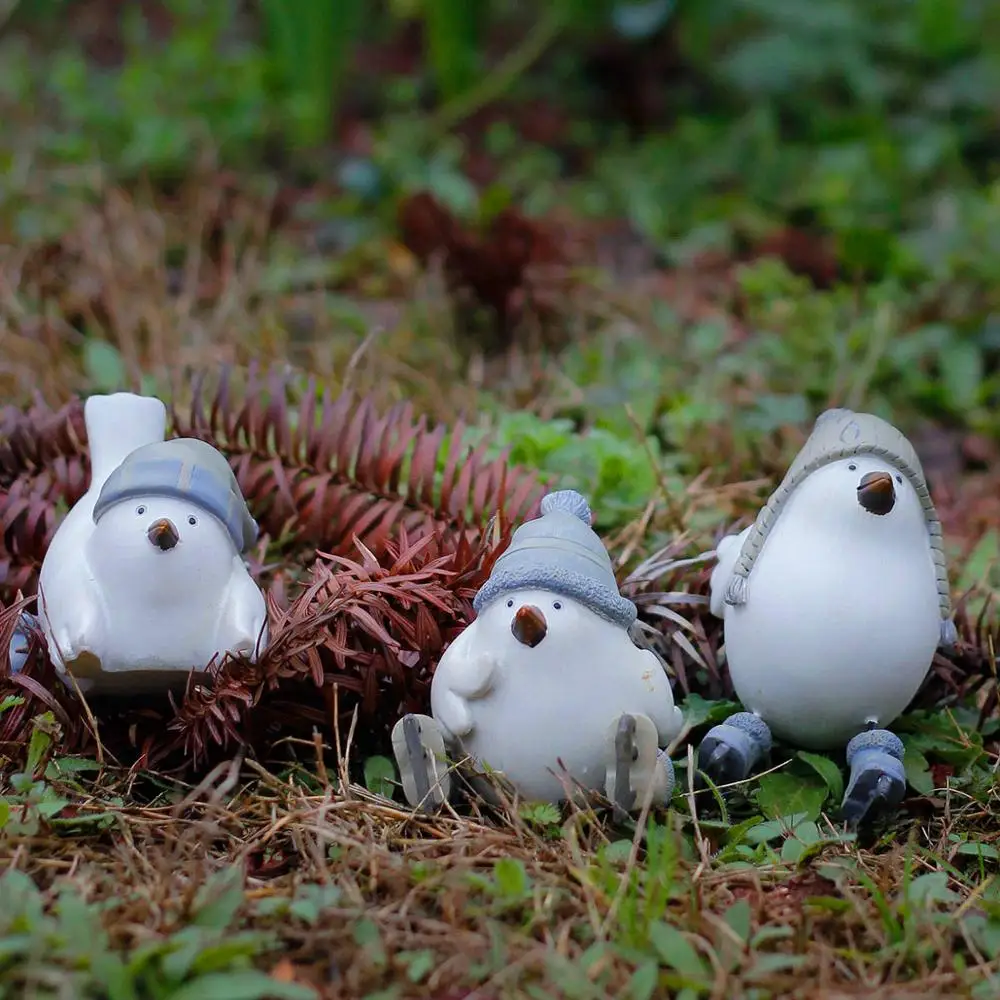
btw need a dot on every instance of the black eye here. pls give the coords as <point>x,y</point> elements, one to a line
<point>853,467</point>
<point>192,519</point>
<point>557,605</point>
<point>510,604</point>
<point>140,510</point>
<point>899,479</point>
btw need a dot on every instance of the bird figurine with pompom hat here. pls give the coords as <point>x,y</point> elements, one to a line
<point>547,686</point>
<point>144,580</point>
<point>834,602</point>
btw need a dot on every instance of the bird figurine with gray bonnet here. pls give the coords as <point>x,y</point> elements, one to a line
<point>547,686</point>
<point>144,579</point>
<point>834,602</point>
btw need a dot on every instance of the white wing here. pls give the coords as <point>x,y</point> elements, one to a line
<point>73,625</point>
<point>243,623</point>
<point>462,675</point>
<point>666,716</point>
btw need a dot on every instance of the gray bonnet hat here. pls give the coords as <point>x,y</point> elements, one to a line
<point>560,552</point>
<point>837,434</point>
<point>187,469</point>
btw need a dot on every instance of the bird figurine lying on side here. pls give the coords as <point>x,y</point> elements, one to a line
<point>144,580</point>
<point>834,602</point>
<point>547,675</point>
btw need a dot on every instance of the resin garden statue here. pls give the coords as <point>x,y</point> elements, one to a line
<point>144,579</point>
<point>834,602</point>
<point>546,686</point>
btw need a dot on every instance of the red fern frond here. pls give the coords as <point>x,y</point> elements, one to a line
<point>331,470</point>
<point>317,474</point>
<point>373,627</point>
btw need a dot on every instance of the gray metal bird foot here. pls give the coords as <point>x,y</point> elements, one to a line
<point>634,761</point>
<point>878,780</point>
<point>730,751</point>
<point>19,641</point>
<point>418,745</point>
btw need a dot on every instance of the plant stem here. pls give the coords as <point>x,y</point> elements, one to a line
<point>885,324</point>
<point>513,65</point>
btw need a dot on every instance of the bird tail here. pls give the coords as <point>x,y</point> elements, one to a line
<point>727,552</point>
<point>117,424</point>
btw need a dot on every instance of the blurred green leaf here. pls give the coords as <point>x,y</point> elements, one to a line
<point>643,982</point>
<point>781,795</point>
<point>962,374</point>
<point>39,741</point>
<point>380,775</point>
<point>827,770</point>
<point>451,30</point>
<point>419,964</point>
<point>311,43</point>
<point>511,878</point>
<point>218,901</point>
<point>676,951</point>
<point>104,365</point>
<point>918,770</point>
<point>980,851</point>
<point>739,919</point>
<point>242,985</point>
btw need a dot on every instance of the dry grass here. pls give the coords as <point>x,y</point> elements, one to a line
<point>249,286</point>
<point>353,895</point>
<point>347,891</point>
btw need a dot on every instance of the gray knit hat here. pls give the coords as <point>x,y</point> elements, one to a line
<point>560,552</point>
<point>837,434</point>
<point>187,469</point>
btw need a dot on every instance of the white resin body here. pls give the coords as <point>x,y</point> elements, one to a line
<point>842,616</point>
<point>521,710</point>
<point>122,615</point>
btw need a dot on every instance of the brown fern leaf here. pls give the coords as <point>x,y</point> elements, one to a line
<point>671,596</point>
<point>28,523</point>
<point>331,470</point>
<point>45,448</point>
<point>373,627</point>
<point>44,469</point>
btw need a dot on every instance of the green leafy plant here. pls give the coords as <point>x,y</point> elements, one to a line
<point>62,941</point>
<point>311,45</point>
<point>616,473</point>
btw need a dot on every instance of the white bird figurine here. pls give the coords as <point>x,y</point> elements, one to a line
<point>144,580</point>
<point>546,686</point>
<point>834,602</point>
